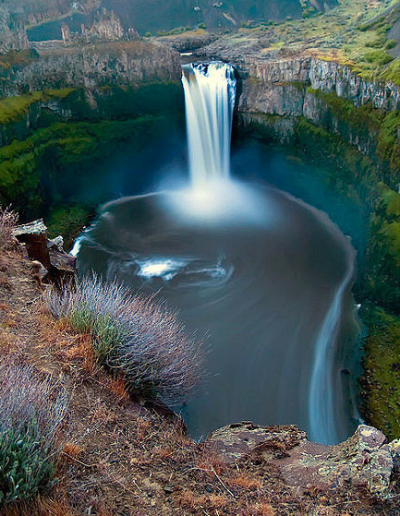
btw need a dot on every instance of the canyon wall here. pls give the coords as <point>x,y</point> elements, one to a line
<point>279,89</point>
<point>326,76</point>
<point>121,63</point>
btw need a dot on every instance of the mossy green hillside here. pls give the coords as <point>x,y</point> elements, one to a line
<point>381,275</point>
<point>32,170</point>
<point>13,108</point>
<point>381,381</point>
<point>382,125</point>
<point>378,284</point>
<point>68,221</point>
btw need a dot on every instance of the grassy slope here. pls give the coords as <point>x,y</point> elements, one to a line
<point>378,285</point>
<point>355,33</point>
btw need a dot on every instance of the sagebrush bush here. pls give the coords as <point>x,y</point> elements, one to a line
<point>8,219</point>
<point>31,412</point>
<point>134,335</point>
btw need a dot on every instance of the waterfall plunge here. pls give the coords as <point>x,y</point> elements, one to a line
<point>210,92</point>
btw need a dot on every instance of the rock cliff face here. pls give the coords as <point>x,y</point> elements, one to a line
<point>125,63</point>
<point>12,32</point>
<point>33,12</point>
<point>264,71</point>
<point>106,27</point>
<point>326,76</point>
<point>286,87</point>
<point>215,14</point>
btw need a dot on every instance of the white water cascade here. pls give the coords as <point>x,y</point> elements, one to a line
<point>321,399</point>
<point>210,92</point>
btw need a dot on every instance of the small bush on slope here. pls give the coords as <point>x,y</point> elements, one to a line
<point>137,336</point>
<point>8,220</point>
<point>31,412</point>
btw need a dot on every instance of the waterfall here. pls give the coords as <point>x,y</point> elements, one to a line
<point>210,92</point>
<point>321,403</point>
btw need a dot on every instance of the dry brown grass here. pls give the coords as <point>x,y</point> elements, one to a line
<point>143,427</point>
<point>73,352</point>
<point>8,220</point>
<point>244,482</point>
<point>72,450</point>
<point>193,502</point>
<point>40,507</point>
<point>118,387</point>
<point>259,509</point>
<point>189,500</point>
<point>82,349</point>
<point>163,453</point>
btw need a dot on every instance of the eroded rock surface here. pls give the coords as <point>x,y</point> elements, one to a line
<point>51,262</point>
<point>118,63</point>
<point>364,461</point>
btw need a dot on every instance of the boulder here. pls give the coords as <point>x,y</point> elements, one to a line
<point>52,262</point>
<point>56,243</point>
<point>34,236</point>
<point>62,267</point>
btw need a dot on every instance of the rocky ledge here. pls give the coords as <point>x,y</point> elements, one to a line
<point>365,461</point>
<point>118,63</point>
<point>263,69</point>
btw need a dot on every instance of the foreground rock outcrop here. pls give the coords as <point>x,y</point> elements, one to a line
<point>51,262</point>
<point>365,461</point>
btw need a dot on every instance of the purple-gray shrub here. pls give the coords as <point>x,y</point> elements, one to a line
<point>137,336</point>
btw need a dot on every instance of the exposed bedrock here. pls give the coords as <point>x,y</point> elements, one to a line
<point>326,76</point>
<point>120,63</point>
<point>365,461</point>
<point>290,101</point>
<point>263,71</point>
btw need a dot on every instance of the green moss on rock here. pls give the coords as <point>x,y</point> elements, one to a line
<point>30,170</point>
<point>381,382</point>
<point>13,108</point>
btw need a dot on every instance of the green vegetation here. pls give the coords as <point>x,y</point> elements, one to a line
<point>367,118</point>
<point>352,173</point>
<point>371,182</point>
<point>31,413</point>
<point>31,170</point>
<point>392,72</point>
<point>68,221</point>
<point>174,32</point>
<point>17,58</point>
<point>355,33</point>
<point>134,336</point>
<point>381,276</point>
<point>381,382</point>
<point>378,283</point>
<point>13,108</point>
